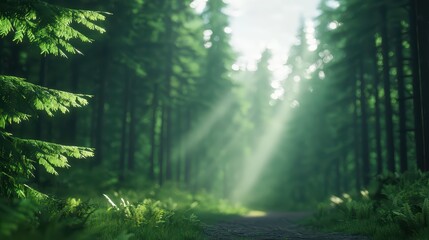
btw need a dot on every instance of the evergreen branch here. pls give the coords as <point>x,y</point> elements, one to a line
<point>21,154</point>
<point>48,26</point>
<point>20,99</point>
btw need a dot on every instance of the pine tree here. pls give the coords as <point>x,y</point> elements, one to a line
<point>51,28</point>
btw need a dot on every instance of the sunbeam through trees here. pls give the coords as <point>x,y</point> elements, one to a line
<point>210,119</point>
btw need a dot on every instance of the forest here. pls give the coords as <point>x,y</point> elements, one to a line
<point>134,120</point>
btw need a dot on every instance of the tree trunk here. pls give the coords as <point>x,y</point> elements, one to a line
<point>153,132</point>
<point>377,102</point>
<point>74,84</point>
<point>168,130</point>
<point>326,185</point>
<point>357,148</point>
<point>178,144</point>
<point>122,161</point>
<point>161,146</point>
<point>402,105</point>
<point>168,77</point>
<point>390,145</point>
<point>132,135</point>
<point>345,175</point>
<point>337,176</point>
<point>423,33</point>
<point>187,153</point>
<point>364,128</point>
<point>419,40</point>
<point>100,97</point>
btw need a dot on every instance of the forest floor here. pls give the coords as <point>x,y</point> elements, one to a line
<point>278,225</point>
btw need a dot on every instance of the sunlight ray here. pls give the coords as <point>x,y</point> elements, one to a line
<point>203,127</point>
<point>262,153</point>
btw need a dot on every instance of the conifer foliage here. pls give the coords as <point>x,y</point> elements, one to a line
<point>51,28</point>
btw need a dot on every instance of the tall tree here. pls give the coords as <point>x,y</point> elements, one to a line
<point>390,146</point>
<point>420,55</point>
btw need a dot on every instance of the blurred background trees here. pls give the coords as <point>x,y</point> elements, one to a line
<point>365,107</point>
<point>171,106</point>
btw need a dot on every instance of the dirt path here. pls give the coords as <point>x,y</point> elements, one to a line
<point>271,226</point>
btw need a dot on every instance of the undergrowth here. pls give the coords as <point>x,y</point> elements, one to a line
<point>155,213</point>
<point>398,208</point>
<point>75,219</point>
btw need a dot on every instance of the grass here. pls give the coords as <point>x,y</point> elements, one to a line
<point>373,227</point>
<point>398,208</point>
<point>155,213</point>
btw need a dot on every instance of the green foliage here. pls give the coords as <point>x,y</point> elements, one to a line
<point>61,217</point>
<point>148,211</point>
<point>111,217</point>
<point>44,218</point>
<point>13,215</point>
<point>49,26</point>
<point>19,156</point>
<point>400,206</point>
<point>20,99</point>
<point>149,219</point>
<point>145,213</point>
